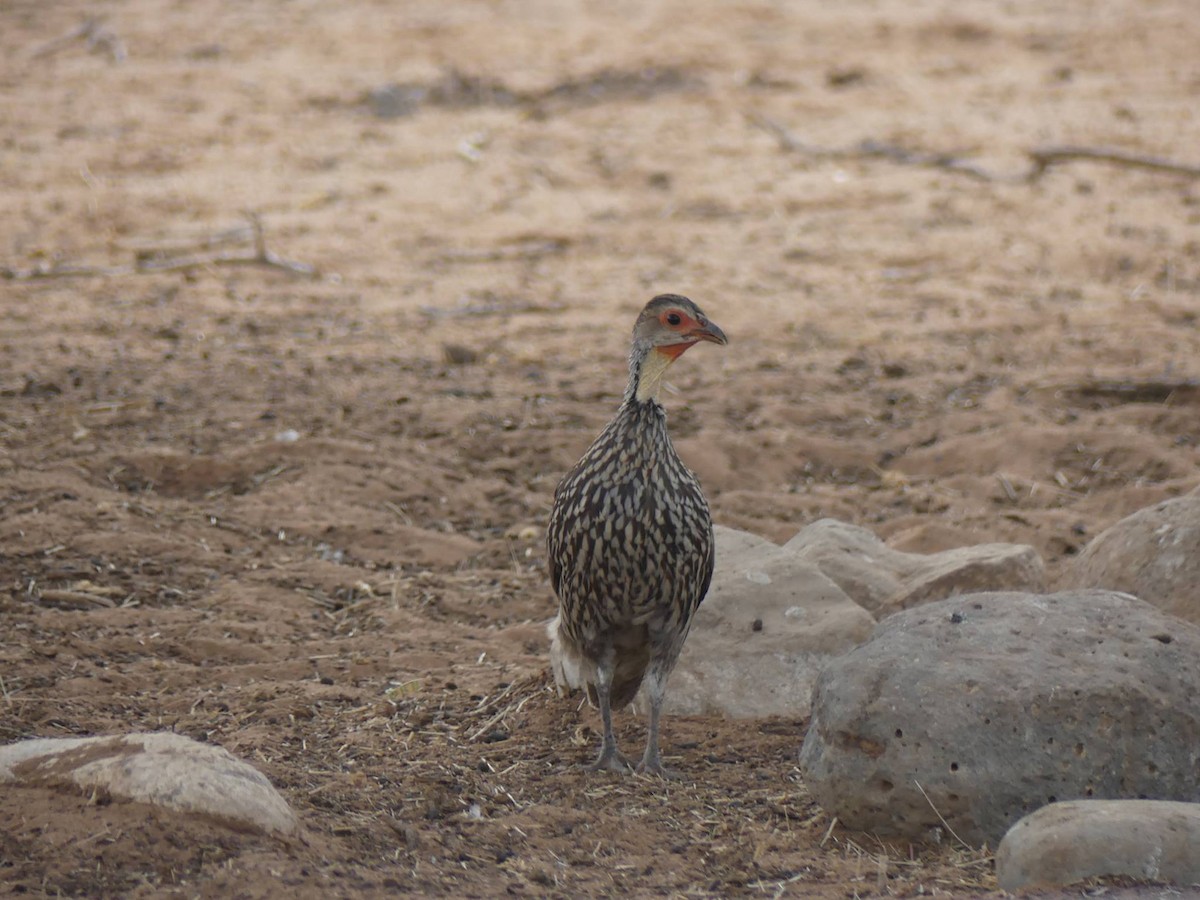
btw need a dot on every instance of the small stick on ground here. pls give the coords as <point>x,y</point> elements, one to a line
<point>98,36</point>
<point>828,831</point>
<point>533,248</point>
<point>262,256</point>
<point>1153,390</point>
<point>869,149</point>
<point>787,140</point>
<point>64,270</point>
<point>488,309</point>
<point>1045,157</point>
<point>145,262</point>
<point>953,834</point>
<point>1041,158</point>
<point>265,257</point>
<point>1009,491</point>
<point>149,248</point>
<point>74,599</point>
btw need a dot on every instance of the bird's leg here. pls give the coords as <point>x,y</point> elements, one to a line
<point>610,758</point>
<point>656,687</point>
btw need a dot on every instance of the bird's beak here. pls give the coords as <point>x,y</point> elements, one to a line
<point>708,331</point>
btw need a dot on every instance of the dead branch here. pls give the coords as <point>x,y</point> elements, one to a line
<point>74,599</point>
<point>872,149</point>
<point>146,260</point>
<point>530,249</point>
<point>63,270</point>
<point>941,818</point>
<point>1045,157</point>
<point>99,38</point>
<point>876,149</point>
<point>176,246</point>
<point>1166,391</point>
<point>1041,158</point>
<point>488,309</point>
<point>787,140</point>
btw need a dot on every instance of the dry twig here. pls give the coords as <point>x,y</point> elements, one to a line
<point>1153,390</point>
<point>1045,157</point>
<point>74,599</point>
<point>1041,158</point>
<point>175,246</point>
<point>533,248</point>
<point>149,261</point>
<point>99,37</point>
<point>488,309</point>
<point>941,819</point>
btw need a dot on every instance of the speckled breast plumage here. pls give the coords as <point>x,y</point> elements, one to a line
<point>630,535</point>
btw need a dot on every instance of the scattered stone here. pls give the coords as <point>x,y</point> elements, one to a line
<point>883,580</point>
<point>459,354</point>
<point>966,714</point>
<point>841,77</point>
<point>1067,842</point>
<point>206,51</point>
<point>160,768</point>
<point>394,101</point>
<point>1153,554</point>
<point>330,554</point>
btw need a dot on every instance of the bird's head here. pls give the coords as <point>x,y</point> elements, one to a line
<point>667,327</point>
<point>670,324</point>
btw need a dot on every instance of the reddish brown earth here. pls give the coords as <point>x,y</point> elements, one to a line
<point>943,358</point>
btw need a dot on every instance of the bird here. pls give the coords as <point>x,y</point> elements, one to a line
<point>630,540</point>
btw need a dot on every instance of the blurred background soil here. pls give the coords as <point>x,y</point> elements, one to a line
<point>307,306</point>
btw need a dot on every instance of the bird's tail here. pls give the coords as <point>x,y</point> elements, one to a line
<point>574,671</point>
<point>566,659</point>
<point>628,672</point>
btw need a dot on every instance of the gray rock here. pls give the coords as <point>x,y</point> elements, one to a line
<point>758,641</point>
<point>164,769</point>
<point>883,580</point>
<point>968,570</point>
<point>1153,554</point>
<point>812,598</point>
<point>736,549</point>
<point>1066,842</point>
<point>854,559</point>
<point>988,706</point>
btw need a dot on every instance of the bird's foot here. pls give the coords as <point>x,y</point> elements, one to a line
<point>611,760</point>
<point>652,765</point>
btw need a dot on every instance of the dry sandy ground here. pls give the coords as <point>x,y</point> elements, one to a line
<point>303,517</point>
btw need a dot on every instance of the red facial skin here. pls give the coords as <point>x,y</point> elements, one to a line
<point>689,329</point>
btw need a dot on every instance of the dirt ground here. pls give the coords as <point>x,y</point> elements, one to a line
<point>303,517</point>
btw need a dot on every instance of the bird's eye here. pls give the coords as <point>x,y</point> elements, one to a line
<point>673,318</point>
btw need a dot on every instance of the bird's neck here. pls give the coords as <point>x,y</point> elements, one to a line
<point>646,368</point>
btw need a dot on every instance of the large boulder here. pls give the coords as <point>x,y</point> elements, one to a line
<point>1153,554</point>
<point>967,714</point>
<point>774,614</point>
<point>160,768</point>
<point>758,641</point>
<point>1067,842</point>
<point>883,580</point>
